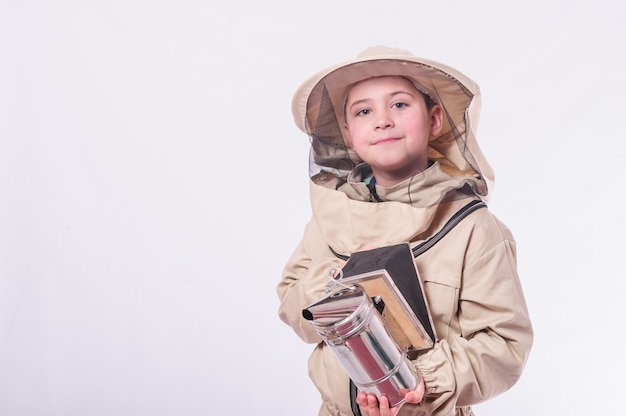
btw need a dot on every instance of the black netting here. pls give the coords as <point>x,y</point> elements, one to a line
<point>324,120</point>
<point>328,150</point>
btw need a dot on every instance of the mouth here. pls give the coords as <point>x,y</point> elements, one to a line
<point>385,140</point>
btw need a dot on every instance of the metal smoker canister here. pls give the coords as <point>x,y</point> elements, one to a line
<point>351,326</point>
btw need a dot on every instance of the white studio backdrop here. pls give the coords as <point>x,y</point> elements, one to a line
<point>153,184</point>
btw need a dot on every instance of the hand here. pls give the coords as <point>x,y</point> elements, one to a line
<point>370,405</point>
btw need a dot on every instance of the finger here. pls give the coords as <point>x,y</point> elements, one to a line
<point>411,397</point>
<point>372,405</point>
<point>385,410</point>
<point>384,402</point>
<point>415,396</point>
<point>361,399</point>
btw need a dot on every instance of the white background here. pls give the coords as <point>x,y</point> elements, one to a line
<point>153,184</point>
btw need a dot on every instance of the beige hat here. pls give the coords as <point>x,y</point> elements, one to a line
<point>318,109</point>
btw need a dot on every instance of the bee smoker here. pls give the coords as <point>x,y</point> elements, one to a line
<point>350,324</point>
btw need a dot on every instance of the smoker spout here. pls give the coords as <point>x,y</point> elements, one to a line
<point>335,306</point>
<point>307,314</point>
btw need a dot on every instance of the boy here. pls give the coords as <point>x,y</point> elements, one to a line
<point>393,158</point>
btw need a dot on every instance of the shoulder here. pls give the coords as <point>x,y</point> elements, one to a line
<point>486,223</point>
<point>479,232</point>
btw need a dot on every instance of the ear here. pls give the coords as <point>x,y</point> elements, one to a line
<point>436,120</point>
<point>348,136</point>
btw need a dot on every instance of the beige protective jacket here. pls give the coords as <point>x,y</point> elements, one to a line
<point>470,278</point>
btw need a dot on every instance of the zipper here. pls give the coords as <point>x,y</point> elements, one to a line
<point>452,222</point>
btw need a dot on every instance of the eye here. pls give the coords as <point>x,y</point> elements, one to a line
<point>400,105</point>
<point>363,112</point>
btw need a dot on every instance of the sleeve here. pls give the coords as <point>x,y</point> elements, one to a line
<point>495,332</point>
<point>304,281</point>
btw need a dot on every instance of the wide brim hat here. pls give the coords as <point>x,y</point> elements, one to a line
<point>318,105</point>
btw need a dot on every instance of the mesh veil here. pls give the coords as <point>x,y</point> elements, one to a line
<point>319,103</point>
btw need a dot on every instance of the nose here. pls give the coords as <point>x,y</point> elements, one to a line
<point>383,121</point>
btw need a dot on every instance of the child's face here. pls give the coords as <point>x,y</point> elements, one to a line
<point>388,125</point>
